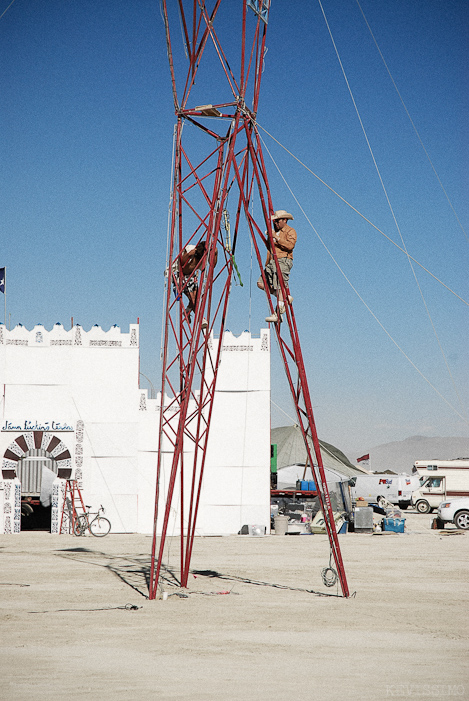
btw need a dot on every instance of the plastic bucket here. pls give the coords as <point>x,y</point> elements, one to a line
<point>280,525</point>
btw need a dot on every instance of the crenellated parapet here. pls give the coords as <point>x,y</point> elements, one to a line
<point>96,337</point>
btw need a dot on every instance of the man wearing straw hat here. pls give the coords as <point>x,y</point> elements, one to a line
<point>284,242</point>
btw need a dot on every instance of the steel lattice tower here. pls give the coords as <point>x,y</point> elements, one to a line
<point>232,163</point>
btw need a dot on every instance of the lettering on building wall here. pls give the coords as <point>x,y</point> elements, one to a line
<point>37,426</point>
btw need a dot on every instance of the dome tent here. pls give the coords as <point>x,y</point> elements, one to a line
<point>291,452</point>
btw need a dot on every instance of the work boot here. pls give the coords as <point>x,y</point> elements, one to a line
<point>204,323</point>
<point>272,318</point>
<point>281,307</point>
<point>290,299</point>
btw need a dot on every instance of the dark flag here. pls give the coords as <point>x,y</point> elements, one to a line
<point>364,457</point>
<point>2,280</point>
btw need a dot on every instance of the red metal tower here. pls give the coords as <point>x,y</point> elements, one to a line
<point>225,48</point>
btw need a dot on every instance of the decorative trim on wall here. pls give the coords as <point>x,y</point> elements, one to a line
<point>237,348</point>
<point>79,437</point>
<point>34,440</point>
<point>10,518</point>
<point>106,344</point>
<point>76,336</point>
<point>57,500</point>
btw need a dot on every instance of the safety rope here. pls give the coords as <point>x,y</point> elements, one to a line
<point>412,122</point>
<point>236,269</point>
<point>4,11</point>
<point>329,576</point>
<point>228,249</point>
<point>391,209</point>
<point>356,291</point>
<point>168,236</point>
<point>368,221</point>
<point>126,607</point>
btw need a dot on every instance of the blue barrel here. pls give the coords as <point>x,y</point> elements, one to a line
<point>304,485</point>
<point>312,486</point>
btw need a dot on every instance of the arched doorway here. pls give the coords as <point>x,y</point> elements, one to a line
<point>36,458</point>
<point>30,471</point>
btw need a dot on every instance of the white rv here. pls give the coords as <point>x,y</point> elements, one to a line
<point>397,489</point>
<point>440,480</point>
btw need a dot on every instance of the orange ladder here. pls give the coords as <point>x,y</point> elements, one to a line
<point>72,491</point>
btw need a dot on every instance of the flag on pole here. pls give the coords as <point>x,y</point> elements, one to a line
<point>364,457</point>
<point>2,280</point>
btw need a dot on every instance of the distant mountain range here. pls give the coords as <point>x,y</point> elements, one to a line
<point>400,456</point>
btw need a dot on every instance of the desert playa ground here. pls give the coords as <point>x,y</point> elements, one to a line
<point>248,627</point>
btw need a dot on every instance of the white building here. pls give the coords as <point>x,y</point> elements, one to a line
<point>71,402</point>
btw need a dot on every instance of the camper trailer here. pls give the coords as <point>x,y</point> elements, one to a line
<point>397,489</point>
<point>440,480</point>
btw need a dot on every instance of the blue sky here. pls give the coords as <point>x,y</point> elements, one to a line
<point>87,119</point>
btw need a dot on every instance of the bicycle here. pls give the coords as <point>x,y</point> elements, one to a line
<point>99,526</point>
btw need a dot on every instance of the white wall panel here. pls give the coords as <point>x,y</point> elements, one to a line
<point>148,428</point>
<point>255,487</point>
<point>223,485</point>
<point>33,365</point>
<point>111,476</point>
<point>106,406</point>
<point>111,439</point>
<point>219,520</point>
<point>39,402</point>
<point>121,511</point>
<point>240,429</point>
<point>146,485</point>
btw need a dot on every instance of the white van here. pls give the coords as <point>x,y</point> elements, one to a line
<point>397,489</point>
<point>440,480</point>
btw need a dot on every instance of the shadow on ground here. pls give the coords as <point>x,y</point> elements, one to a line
<point>134,571</point>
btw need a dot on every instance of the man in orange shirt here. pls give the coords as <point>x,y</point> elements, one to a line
<point>284,242</point>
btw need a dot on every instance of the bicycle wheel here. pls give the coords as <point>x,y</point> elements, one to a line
<point>100,526</point>
<point>80,526</point>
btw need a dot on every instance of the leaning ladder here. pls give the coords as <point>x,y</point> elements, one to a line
<point>72,499</point>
